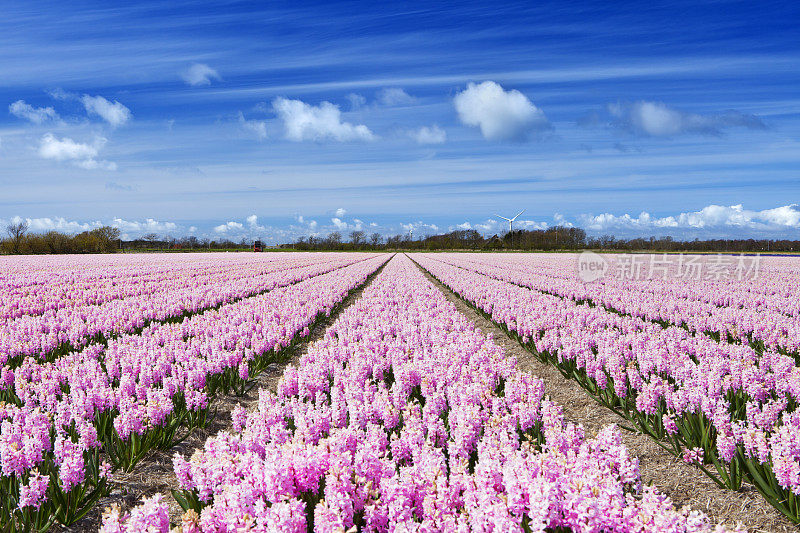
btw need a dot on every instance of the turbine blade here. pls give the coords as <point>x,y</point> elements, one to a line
<point>504,218</point>
<point>518,214</point>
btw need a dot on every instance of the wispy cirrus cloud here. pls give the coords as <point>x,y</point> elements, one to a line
<point>115,186</point>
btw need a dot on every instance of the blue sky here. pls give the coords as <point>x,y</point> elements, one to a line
<point>273,120</point>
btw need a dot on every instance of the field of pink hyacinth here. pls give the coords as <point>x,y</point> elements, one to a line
<point>71,419</point>
<point>402,415</point>
<point>707,367</point>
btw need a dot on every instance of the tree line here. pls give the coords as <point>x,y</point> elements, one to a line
<point>557,238</point>
<point>153,242</point>
<point>20,241</point>
<point>106,239</point>
<point>550,239</point>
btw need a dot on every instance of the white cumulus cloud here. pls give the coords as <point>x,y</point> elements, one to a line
<point>41,225</point>
<point>304,122</point>
<point>52,147</point>
<point>787,215</point>
<point>36,115</point>
<point>491,226</point>
<point>149,225</point>
<point>229,227</point>
<point>709,217</point>
<point>199,74</point>
<point>80,154</point>
<point>429,135</point>
<point>500,114</point>
<point>114,113</point>
<point>341,212</point>
<point>419,228</point>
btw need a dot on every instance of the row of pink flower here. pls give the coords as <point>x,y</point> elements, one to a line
<point>765,309</point>
<point>406,417</point>
<point>666,374</point>
<point>73,281</point>
<point>133,386</point>
<point>767,282</point>
<point>185,292</point>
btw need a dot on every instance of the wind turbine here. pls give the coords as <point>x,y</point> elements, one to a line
<point>511,224</point>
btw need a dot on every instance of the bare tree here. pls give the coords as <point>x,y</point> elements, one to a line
<point>17,231</point>
<point>334,239</point>
<point>358,238</point>
<point>375,239</point>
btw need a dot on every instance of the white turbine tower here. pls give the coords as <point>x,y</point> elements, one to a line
<point>511,225</point>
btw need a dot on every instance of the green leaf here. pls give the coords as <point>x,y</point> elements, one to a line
<point>181,499</point>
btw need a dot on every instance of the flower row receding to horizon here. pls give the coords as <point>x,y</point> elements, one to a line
<point>406,417</point>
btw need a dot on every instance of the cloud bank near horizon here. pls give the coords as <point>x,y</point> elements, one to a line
<point>712,221</point>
